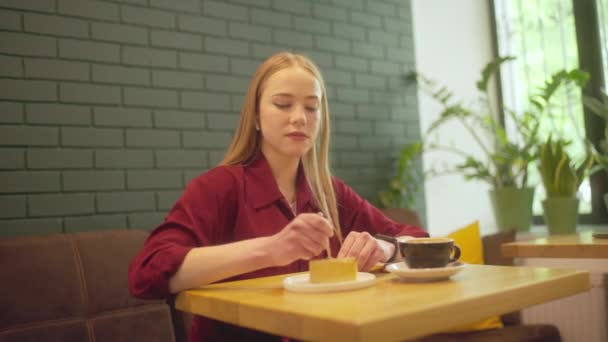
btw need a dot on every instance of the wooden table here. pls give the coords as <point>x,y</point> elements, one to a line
<point>576,251</point>
<point>389,310</point>
<point>581,245</point>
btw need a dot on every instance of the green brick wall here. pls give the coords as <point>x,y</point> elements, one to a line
<point>108,108</point>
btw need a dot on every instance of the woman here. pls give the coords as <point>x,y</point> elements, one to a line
<point>269,207</point>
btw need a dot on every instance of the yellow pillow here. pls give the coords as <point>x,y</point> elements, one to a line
<point>469,241</point>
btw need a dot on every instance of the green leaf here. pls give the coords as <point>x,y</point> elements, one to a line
<point>547,165</point>
<point>449,113</point>
<point>585,165</point>
<point>489,70</point>
<point>558,79</point>
<point>566,186</point>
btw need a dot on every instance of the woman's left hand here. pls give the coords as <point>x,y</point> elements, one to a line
<point>365,248</point>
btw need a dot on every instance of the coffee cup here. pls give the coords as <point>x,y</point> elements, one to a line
<point>428,252</point>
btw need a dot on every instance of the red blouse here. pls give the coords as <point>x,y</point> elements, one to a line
<point>233,203</point>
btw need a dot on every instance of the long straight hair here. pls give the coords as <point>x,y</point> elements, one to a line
<point>246,143</point>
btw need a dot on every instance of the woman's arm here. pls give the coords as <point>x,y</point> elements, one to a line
<point>205,265</point>
<point>183,253</point>
<point>305,237</point>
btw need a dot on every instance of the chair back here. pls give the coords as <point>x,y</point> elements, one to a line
<point>403,216</point>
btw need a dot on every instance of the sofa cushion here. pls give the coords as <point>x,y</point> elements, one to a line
<point>73,287</point>
<point>41,280</point>
<point>105,260</point>
<point>148,323</point>
<point>57,331</point>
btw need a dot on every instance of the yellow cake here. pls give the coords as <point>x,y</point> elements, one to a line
<point>332,270</point>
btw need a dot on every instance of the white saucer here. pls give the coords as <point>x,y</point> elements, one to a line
<point>301,283</point>
<point>425,274</point>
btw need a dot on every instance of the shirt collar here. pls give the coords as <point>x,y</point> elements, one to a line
<point>261,186</point>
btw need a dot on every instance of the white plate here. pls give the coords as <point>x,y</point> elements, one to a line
<point>425,274</point>
<point>301,283</point>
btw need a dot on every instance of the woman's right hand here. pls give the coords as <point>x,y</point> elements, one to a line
<point>305,237</point>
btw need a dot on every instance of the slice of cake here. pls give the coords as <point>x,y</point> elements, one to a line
<point>332,270</point>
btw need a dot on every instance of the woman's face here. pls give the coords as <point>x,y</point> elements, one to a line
<point>290,109</point>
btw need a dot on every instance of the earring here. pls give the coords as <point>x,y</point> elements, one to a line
<point>257,128</point>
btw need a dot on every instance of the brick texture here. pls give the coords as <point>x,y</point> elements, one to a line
<point>108,108</point>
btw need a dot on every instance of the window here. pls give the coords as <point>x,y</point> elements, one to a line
<point>542,35</point>
<point>602,14</point>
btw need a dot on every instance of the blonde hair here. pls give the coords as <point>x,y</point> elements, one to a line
<point>246,142</point>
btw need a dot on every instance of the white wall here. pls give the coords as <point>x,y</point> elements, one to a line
<point>452,44</point>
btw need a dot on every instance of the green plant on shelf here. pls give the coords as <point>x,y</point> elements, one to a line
<point>561,176</point>
<point>506,159</point>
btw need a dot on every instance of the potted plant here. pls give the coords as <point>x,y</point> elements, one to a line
<point>403,187</point>
<point>561,179</point>
<point>506,158</point>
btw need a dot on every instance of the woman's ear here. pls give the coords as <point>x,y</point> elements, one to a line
<point>257,122</point>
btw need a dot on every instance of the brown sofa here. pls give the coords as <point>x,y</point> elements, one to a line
<point>73,287</point>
